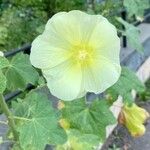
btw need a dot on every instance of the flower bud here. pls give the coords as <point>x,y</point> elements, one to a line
<point>60,105</point>
<point>136,129</point>
<point>64,124</point>
<point>133,118</point>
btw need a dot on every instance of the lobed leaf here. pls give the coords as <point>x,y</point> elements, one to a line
<point>20,72</point>
<point>3,62</point>
<point>2,82</point>
<point>132,34</point>
<point>38,122</point>
<point>91,119</point>
<point>79,141</point>
<point>127,81</point>
<point>136,7</point>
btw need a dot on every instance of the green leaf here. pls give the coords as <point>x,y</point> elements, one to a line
<point>3,33</point>
<point>38,122</point>
<point>127,81</point>
<point>17,26</point>
<point>41,81</point>
<point>2,82</point>
<point>3,62</point>
<point>20,73</point>
<point>91,119</point>
<point>16,147</point>
<point>136,7</point>
<point>79,141</point>
<point>132,34</point>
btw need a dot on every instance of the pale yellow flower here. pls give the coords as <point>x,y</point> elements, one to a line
<point>77,53</point>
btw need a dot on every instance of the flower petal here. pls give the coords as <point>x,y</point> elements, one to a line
<point>63,27</point>
<point>64,80</point>
<point>105,40</point>
<point>100,76</point>
<point>74,27</point>
<point>43,55</point>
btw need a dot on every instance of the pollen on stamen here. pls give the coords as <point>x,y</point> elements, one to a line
<point>82,54</point>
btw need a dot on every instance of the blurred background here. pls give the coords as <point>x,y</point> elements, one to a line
<point>22,20</point>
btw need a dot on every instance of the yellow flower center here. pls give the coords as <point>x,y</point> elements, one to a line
<point>82,54</point>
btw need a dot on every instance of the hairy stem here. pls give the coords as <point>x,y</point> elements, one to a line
<point>9,116</point>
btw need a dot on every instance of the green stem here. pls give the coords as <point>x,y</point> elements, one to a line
<point>9,116</point>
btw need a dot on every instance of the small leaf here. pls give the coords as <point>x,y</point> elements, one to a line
<point>20,73</point>
<point>132,34</point>
<point>3,62</point>
<point>2,82</point>
<point>79,141</point>
<point>136,7</point>
<point>38,122</point>
<point>127,81</point>
<point>91,119</point>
